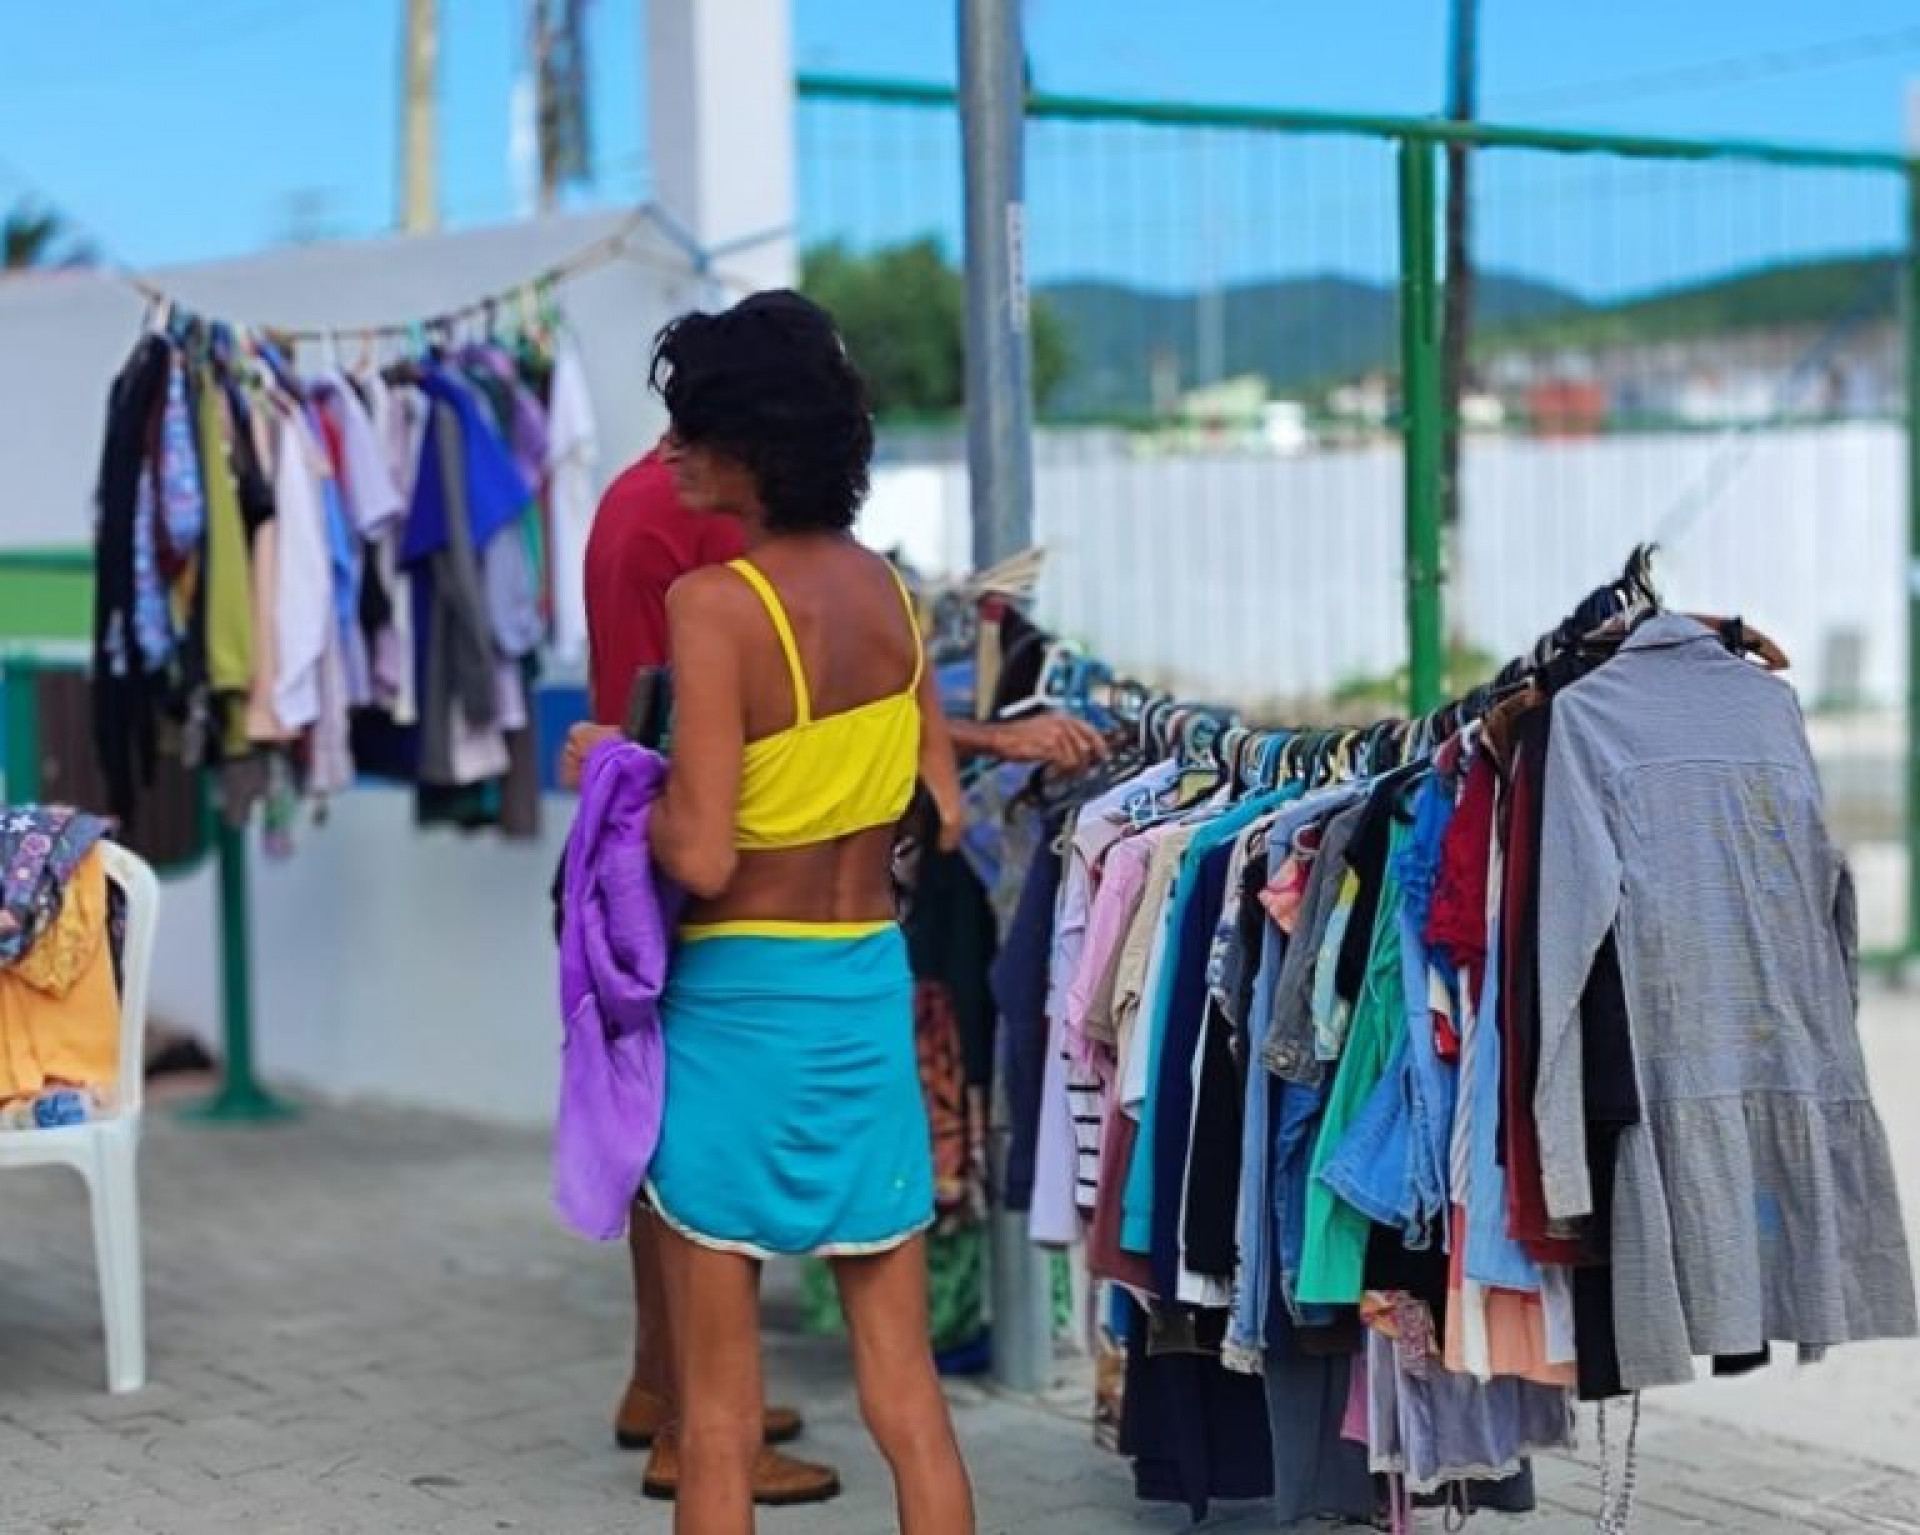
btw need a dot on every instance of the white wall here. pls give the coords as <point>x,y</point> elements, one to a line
<point>1263,579</point>
<point>920,511</point>
<point>388,963</point>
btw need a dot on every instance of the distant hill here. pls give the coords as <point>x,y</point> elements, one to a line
<point>1295,331</point>
<point>1308,331</point>
<point>1813,294</point>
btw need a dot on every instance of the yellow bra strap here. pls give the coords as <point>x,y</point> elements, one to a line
<point>913,623</point>
<point>770,600</point>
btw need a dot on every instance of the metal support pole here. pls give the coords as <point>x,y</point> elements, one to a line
<point>999,339</point>
<point>20,729</point>
<point>1911,933</point>
<point>1000,469</point>
<point>1423,429</point>
<point>241,1099</point>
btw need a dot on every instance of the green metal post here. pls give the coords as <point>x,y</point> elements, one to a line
<point>241,1099</point>
<point>1423,431</point>
<point>1911,934</point>
<point>20,695</point>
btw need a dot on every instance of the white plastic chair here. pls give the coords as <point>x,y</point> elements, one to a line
<point>104,1150</point>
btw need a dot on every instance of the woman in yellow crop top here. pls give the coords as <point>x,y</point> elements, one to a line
<point>804,715</point>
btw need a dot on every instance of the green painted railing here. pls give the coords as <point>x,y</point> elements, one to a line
<point>1420,144</point>
<point>1045,107</point>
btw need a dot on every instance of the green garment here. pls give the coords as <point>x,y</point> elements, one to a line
<point>1333,1260</point>
<point>229,575</point>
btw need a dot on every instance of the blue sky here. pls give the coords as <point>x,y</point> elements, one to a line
<point>187,131</point>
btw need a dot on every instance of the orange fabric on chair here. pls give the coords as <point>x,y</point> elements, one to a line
<point>59,1009</point>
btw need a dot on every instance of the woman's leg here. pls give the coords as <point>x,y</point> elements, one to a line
<point>885,1298</point>
<point>714,1300</point>
<point>653,1331</point>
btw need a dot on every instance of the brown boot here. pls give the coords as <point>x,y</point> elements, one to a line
<point>643,1415</point>
<point>779,1481</point>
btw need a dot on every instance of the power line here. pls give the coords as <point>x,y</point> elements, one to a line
<point>1743,69</point>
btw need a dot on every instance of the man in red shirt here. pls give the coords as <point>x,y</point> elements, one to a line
<point>644,540</point>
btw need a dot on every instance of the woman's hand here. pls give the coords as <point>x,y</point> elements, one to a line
<point>581,740</point>
<point>1058,740</point>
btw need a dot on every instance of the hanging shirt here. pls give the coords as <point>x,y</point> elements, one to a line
<point>304,609</point>
<point>1755,1200</point>
<point>371,496</point>
<point>231,656</point>
<point>573,452</point>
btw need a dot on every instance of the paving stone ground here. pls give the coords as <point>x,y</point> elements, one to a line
<point>367,1323</point>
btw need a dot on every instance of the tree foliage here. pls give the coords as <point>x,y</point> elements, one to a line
<point>902,311</point>
<point>34,236</point>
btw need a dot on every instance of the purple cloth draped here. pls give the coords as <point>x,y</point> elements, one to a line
<point>614,938</point>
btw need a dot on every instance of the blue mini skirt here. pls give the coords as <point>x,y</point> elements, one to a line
<point>794,1122</point>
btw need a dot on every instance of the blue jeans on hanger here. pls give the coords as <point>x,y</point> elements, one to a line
<point>1492,1257</point>
<point>1293,1137</point>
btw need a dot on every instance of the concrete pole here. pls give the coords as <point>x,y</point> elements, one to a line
<point>420,108</point>
<point>720,126</point>
<point>1000,465</point>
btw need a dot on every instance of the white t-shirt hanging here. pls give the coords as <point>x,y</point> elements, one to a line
<point>573,452</point>
<point>372,498</point>
<point>304,616</point>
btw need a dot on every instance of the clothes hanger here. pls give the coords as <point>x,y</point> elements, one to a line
<point>1742,638</point>
<point>1056,664</point>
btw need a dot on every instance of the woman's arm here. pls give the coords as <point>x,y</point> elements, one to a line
<point>939,770</point>
<point>692,830</point>
<point>1059,740</point>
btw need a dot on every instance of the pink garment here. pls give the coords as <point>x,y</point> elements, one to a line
<point>1067,1148</point>
<point>1285,892</point>
<point>1123,878</point>
<point>1353,1426</point>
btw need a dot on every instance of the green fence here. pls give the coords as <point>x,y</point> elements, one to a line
<point>1244,458</point>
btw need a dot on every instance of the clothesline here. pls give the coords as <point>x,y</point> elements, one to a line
<point>603,251</point>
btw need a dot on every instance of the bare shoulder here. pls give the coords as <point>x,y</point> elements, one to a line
<point>876,571</point>
<point>711,591</point>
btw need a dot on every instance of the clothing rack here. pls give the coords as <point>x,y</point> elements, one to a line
<point>1347,1020</point>
<point>531,296</point>
<point>1207,736</point>
<point>262,357</point>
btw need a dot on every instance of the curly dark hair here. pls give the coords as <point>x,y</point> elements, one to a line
<point>769,384</point>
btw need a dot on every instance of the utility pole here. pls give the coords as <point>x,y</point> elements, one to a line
<point>1000,475</point>
<point>420,108</point>
<point>1457,336</point>
<point>999,332</point>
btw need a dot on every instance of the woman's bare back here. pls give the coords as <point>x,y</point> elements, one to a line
<point>856,647</point>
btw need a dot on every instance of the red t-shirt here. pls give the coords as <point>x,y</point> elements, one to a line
<point>643,540</point>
